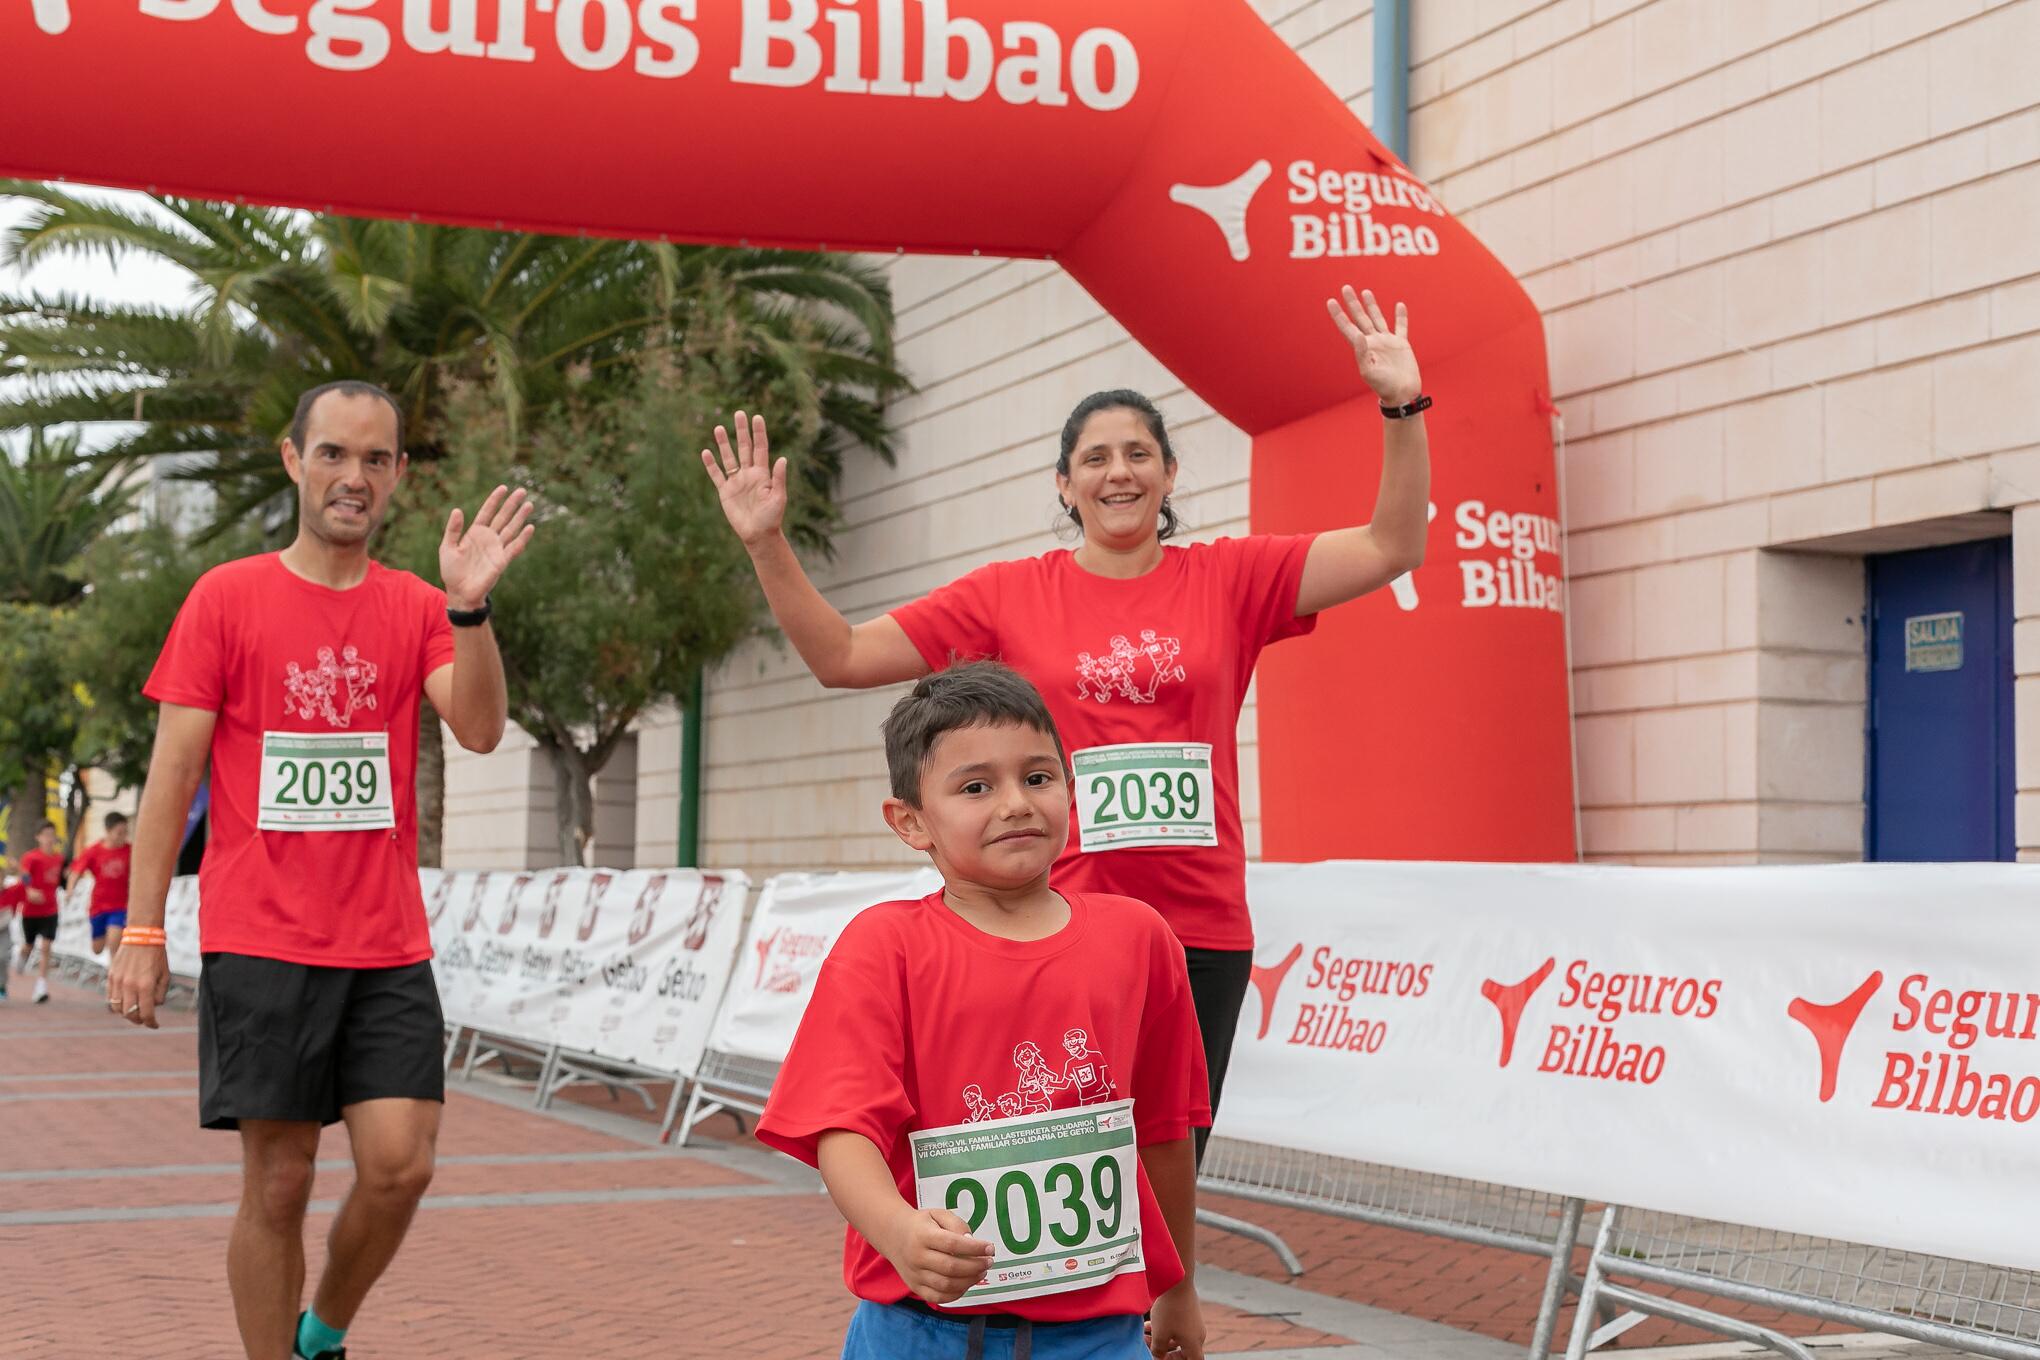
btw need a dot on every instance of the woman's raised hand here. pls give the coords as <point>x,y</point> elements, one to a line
<point>751,485</point>
<point>1383,352</point>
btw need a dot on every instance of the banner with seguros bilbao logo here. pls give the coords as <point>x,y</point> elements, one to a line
<point>1847,1051</point>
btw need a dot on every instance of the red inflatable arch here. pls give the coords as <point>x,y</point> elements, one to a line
<point>1174,155</point>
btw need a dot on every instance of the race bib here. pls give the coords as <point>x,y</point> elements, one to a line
<point>1148,793</point>
<point>1056,1194</point>
<point>326,781</point>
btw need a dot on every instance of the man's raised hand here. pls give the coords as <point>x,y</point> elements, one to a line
<point>471,562</point>
<point>751,485</point>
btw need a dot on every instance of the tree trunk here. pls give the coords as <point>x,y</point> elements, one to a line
<point>573,800</point>
<point>77,803</point>
<point>431,786</point>
<point>25,812</point>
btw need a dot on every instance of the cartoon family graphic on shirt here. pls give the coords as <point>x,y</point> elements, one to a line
<point>324,688</point>
<point>1119,670</point>
<point>1086,1073</point>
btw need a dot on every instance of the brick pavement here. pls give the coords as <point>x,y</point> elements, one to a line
<point>569,1234</point>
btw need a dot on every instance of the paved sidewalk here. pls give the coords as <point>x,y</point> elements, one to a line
<point>569,1234</point>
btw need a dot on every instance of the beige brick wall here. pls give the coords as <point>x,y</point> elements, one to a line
<point>1788,256</point>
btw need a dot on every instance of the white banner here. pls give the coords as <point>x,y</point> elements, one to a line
<point>180,926</point>
<point>795,925</point>
<point>1844,1051</point>
<point>628,965</point>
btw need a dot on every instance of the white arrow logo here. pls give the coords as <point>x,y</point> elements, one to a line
<point>52,16</point>
<point>1226,204</point>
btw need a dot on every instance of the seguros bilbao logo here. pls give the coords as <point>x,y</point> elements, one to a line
<point>1966,1053</point>
<point>1335,214</point>
<point>1336,993</point>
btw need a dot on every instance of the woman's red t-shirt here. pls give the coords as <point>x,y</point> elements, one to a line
<point>915,1006</point>
<point>1165,657</point>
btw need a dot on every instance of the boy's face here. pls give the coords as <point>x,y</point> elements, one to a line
<point>116,835</point>
<point>995,805</point>
<point>45,840</point>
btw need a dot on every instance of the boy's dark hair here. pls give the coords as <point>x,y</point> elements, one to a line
<point>971,694</point>
<point>346,387</point>
<point>114,819</point>
<point>46,826</point>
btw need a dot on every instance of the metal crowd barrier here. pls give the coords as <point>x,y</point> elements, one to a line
<point>1964,1305</point>
<point>724,1083</point>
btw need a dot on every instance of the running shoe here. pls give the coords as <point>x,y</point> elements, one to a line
<point>42,991</point>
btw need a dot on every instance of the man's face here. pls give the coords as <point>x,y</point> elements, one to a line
<point>348,469</point>
<point>1073,1045</point>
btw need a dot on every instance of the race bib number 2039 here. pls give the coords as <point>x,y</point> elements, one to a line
<point>1056,1194</point>
<point>326,781</point>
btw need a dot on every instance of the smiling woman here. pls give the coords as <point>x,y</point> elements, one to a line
<point>1142,650</point>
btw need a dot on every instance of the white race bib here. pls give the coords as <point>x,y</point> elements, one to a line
<point>326,781</point>
<point>1056,1194</point>
<point>1147,793</point>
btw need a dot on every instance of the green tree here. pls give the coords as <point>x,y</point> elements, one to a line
<point>40,709</point>
<point>54,505</point>
<point>632,583</point>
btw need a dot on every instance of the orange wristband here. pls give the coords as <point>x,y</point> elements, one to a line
<point>150,936</point>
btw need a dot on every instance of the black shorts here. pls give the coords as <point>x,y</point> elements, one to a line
<point>289,1041</point>
<point>35,928</point>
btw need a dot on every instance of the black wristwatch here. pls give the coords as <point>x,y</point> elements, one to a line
<point>469,618</point>
<point>1422,403</point>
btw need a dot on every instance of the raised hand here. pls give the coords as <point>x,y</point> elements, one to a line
<point>1386,360</point>
<point>751,485</point>
<point>471,562</point>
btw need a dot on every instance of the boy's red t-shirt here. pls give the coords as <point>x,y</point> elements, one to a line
<point>109,870</point>
<point>1165,657</point>
<point>42,875</point>
<point>268,651</point>
<point>915,1005</point>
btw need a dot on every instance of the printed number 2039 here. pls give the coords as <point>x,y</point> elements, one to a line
<point>1172,797</point>
<point>1015,1205</point>
<point>308,784</point>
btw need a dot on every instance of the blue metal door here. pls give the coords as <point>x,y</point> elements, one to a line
<point>1940,749</point>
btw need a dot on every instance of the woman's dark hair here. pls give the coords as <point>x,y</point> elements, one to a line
<point>1120,399</point>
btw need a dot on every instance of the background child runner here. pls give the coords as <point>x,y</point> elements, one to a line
<point>107,862</point>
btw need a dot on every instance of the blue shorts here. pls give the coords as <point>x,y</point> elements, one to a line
<point>116,920</point>
<point>889,1332</point>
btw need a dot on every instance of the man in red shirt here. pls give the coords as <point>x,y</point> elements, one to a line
<point>298,675</point>
<point>107,862</point>
<point>42,869</point>
<point>1068,1211</point>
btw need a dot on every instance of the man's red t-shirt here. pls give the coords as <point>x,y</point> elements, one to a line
<point>109,870</point>
<point>269,651</point>
<point>43,875</point>
<point>1164,657</point>
<point>915,1006</point>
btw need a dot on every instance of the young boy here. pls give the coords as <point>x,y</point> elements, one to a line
<point>42,869</point>
<point>107,862</point>
<point>979,1229</point>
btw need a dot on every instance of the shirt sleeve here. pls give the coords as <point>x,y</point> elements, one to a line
<point>956,622</point>
<point>191,669</point>
<point>847,1067</point>
<point>1171,1093</point>
<point>438,632</point>
<point>1266,572</point>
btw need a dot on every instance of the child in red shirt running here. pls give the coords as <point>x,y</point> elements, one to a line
<point>107,862</point>
<point>1048,1218</point>
<point>42,869</point>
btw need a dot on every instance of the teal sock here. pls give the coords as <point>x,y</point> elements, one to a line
<point>315,1338</point>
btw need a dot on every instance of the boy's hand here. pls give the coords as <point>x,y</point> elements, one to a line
<point>935,1254</point>
<point>1175,1328</point>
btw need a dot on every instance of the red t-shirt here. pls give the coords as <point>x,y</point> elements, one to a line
<point>1164,657</point>
<point>915,1006</point>
<point>109,870</point>
<point>269,651</point>
<point>43,876</point>
<point>13,896</point>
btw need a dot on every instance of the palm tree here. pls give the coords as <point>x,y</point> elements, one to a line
<point>284,300</point>
<point>54,505</point>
